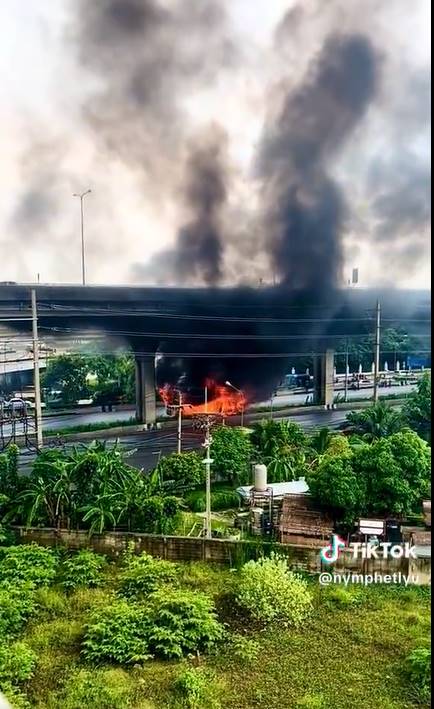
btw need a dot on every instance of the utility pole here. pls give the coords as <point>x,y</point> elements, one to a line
<point>36,377</point>
<point>180,423</point>
<point>377,351</point>
<point>346,372</point>
<point>207,462</point>
<point>83,266</point>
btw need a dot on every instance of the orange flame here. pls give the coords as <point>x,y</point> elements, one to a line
<point>223,400</point>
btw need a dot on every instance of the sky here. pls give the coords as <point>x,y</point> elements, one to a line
<point>68,126</point>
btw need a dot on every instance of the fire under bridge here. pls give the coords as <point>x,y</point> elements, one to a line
<point>246,335</point>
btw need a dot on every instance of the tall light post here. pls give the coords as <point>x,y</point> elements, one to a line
<point>83,270</point>
<point>229,384</point>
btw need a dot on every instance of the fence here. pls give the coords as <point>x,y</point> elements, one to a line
<point>219,551</point>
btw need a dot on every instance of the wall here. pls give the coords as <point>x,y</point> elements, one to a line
<point>218,551</point>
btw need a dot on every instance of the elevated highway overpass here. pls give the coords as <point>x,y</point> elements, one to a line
<point>228,329</point>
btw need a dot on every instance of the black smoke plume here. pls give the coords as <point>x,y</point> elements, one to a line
<point>304,208</point>
<point>303,212</point>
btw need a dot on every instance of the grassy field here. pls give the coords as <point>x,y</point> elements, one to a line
<point>351,653</point>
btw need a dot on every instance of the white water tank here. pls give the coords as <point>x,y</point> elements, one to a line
<point>260,484</point>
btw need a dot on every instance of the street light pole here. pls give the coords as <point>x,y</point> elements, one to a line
<point>229,384</point>
<point>83,268</point>
<point>346,372</point>
<point>36,375</point>
<point>377,351</point>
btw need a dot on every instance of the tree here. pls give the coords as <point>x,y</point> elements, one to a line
<point>334,484</point>
<point>281,445</point>
<point>395,472</point>
<point>68,375</point>
<point>417,411</point>
<point>377,421</point>
<point>115,378</point>
<point>231,452</point>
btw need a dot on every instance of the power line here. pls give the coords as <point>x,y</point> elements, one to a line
<point>222,318</point>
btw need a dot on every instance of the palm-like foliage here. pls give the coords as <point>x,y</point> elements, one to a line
<point>376,422</point>
<point>281,446</point>
<point>93,486</point>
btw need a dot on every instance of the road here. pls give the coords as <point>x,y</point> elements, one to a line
<point>145,447</point>
<point>56,423</point>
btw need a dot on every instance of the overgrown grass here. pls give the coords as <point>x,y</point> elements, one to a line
<point>351,652</point>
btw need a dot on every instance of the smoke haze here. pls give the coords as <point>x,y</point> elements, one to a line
<point>291,157</point>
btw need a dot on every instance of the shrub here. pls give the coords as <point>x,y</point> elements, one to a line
<point>104,689</point>
<point>28,562</point>
<point>419,671</point>
<point>173,623</point>
<point>269,592</point>
<point>17,699</point>
<point>182,622</point>
<point>145,574</point>
<point>17,604</point>
<point>17,662</point>
<point>118,632</point>
<point>84,569</point>
<point>197,689</point>
<point>242,649</point>
<point>185,469</point>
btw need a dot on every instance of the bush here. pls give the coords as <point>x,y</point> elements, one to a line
<point>173,623</point>
<point>198,689</point>
<point>419,671</point>
<point>243,650</point>
<point>269,592</point>
<point>28,562</point>
<point>84,569</point>
<point>118,633</point>
<point>182,622</point>
<point>17,604</point>
<point>17,662</point>
<point>185,469</point>
<point>145,574</point>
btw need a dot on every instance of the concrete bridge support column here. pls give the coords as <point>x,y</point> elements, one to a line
<point>324,390</point>
<point>146,406</point>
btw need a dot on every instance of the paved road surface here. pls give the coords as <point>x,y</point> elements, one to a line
<point>145,447</point>
<point>55,423</point>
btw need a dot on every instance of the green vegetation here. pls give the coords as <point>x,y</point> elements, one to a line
<point>269,592</point>
<point>389,476</point>
<point>281,446</point>
<point>190,640</point>
<point>91,427</point>
<point>231,452</point>
<point>417,411</point>
<point>89,487</point>
<point>378,421</point>
<point>106,379</point>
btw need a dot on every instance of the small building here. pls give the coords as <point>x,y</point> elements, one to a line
<point>303,525</point>
<point>422,542</point>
